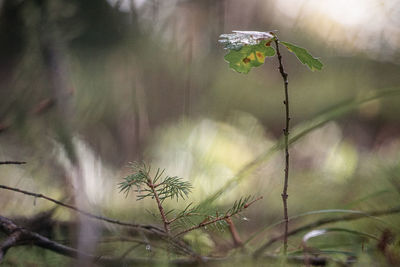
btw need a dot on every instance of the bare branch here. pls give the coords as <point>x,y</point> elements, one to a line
<point>20,236</point>
<point>9,227</point>
<point>12,162</point>
<point>8,243</point>
<point>286,134</point>
<point>144,227</point>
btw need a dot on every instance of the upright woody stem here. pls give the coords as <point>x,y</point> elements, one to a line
<point>286,134</point>
<point>160,207</point>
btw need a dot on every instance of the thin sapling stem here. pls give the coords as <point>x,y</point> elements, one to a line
<point>286,136</point>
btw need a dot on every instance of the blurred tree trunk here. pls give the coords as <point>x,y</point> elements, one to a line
<point>54,55</point>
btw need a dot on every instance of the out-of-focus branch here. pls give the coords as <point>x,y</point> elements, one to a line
<point>11,241</point>
<point>12,162</point>
<point>234,233</point>
<point>176,243</point>
<point>144,227</point>
<point>20,236</point>
<point>324,221</point>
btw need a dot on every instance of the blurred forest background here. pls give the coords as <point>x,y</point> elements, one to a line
<point>88,86</point>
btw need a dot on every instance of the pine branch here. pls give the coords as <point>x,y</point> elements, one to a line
<point>187,212</point>
<point>173,187</point>
<point>238,207</point>
<point>158,188</point>
<point>167,187</point>
<point>138,178</point>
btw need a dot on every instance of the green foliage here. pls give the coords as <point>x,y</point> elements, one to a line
<point>196,215</point>
<point>139,178</point>
<point>304,57</point>
<point>146,186</point>
<point>248,49</point>
<point>173,187</point>
<point>249,56</point>
<point>239,205</point>
<point>162,187</point>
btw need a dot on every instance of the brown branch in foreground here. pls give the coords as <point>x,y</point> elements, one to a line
<point>221,218</point>
<point>150,228</point>
<point>12,162</point>
<point>178,244</point>
<point>286,134</point>
<point>20,236</point>
<point>26,237</point>
<point>11,241</point>
<point>324,221</point>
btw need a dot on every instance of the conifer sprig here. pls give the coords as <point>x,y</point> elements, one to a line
<point>219,220</point>
<point>165,187</point>
<point>138,179</point>
<point>173,187</point>
<point>161,187</point>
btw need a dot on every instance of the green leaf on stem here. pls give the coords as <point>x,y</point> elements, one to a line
<point>304,57</point>
<point>249,56</point>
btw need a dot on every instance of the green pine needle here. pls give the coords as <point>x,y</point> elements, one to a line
<point>165,186</point>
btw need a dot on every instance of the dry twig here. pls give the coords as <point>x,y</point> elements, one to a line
<point>12,162</point>
<point>20,236</point>
<point>144,227</point>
